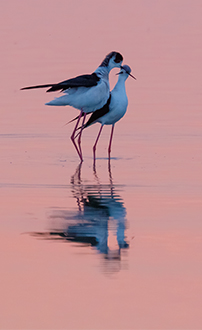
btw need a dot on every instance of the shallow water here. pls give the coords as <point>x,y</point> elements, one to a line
<point>117,246</point>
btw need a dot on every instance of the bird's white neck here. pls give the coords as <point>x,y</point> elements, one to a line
<point>120,83</point>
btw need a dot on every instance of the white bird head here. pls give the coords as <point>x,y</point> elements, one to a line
<point>112,60</point>
<point>125,72</point>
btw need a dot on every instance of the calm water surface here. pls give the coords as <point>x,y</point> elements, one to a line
<point>118,246</point>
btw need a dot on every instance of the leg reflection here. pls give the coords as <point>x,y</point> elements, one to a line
<point>98,221</point>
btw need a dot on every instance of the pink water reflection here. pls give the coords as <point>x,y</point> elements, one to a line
<point>157,162</point>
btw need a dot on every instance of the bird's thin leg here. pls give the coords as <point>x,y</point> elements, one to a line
<point>73,135</point>
<point>110,141</point>
<point>79,138</point>
<point>94,147</point>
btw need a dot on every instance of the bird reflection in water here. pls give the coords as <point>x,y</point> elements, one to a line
<point>100,220</point>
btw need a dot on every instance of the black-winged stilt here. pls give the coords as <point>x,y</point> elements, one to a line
<point>114,109</point>
<point>87,92</point>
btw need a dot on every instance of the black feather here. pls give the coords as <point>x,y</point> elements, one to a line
<point>37,86</point>
<point>86,80</point>
<point>98,113</point>
<point>118,58</point>
<point>77,118</point>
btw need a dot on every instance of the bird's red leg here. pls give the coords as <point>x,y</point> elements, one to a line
<point>94,147</point>
<point>110,141</point>
<point>79,138</point>
<point>73,136</point>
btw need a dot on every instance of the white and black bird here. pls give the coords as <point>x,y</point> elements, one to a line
<point>114,109</point>
<point>87,92</point>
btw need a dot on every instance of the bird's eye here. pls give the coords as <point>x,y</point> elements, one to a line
<point>118,58</point>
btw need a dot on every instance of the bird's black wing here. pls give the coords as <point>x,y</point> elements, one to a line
<point>98,113</point>
<point>86,80</point>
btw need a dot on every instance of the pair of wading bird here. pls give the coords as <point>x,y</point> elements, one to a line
<point>90,93</point>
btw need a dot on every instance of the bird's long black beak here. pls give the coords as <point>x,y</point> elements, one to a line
<point>128,73</point>
<point>132,76</point>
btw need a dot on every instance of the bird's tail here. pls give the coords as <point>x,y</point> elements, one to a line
<point>38,86</point>
<point>76,119</point>
<point>71,120</point>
